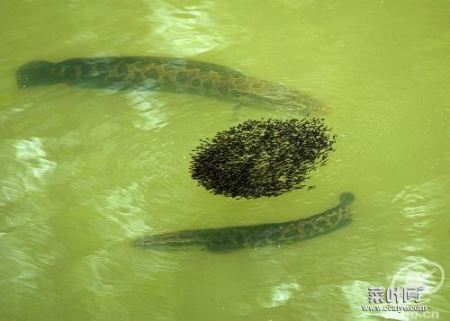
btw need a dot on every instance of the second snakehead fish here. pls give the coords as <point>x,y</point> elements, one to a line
<point>252,236</point>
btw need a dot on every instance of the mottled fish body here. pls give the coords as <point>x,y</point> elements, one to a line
<point>253,236</point>
<point>162,73</point>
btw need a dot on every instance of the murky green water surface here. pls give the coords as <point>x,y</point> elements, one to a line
<point>83,172</point>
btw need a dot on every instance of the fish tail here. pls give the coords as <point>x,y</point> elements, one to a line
<point>36,73</point>
<point>168,240</point>
<point>347,198</point>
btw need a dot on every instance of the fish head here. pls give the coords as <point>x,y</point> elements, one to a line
<point>35,73</point>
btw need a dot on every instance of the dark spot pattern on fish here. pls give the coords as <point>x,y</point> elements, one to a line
<point>235,93</point>
<point>69,72</point>
<point>152,73</point>
<point>307,227</point>
<point>122,70</point>
<point>166,80</point>
<point>196,82</point>
<point>291,231</point>
<point>99,69</point>
<point>208,85</point>
<point>182,77</point>
<point>223,90</point>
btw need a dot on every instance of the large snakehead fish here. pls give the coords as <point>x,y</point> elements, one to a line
<point>167,74</point>
<point>252,236</point>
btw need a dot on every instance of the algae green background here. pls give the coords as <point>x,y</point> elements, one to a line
<point>83,172</point>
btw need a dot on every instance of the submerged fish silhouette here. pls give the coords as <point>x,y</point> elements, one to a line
<point>251,236</point>
<point>163,73</point>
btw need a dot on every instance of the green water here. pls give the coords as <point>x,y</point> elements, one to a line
<point>83,172</point>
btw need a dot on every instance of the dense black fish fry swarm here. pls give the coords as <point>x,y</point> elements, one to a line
<point>261,157</point>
